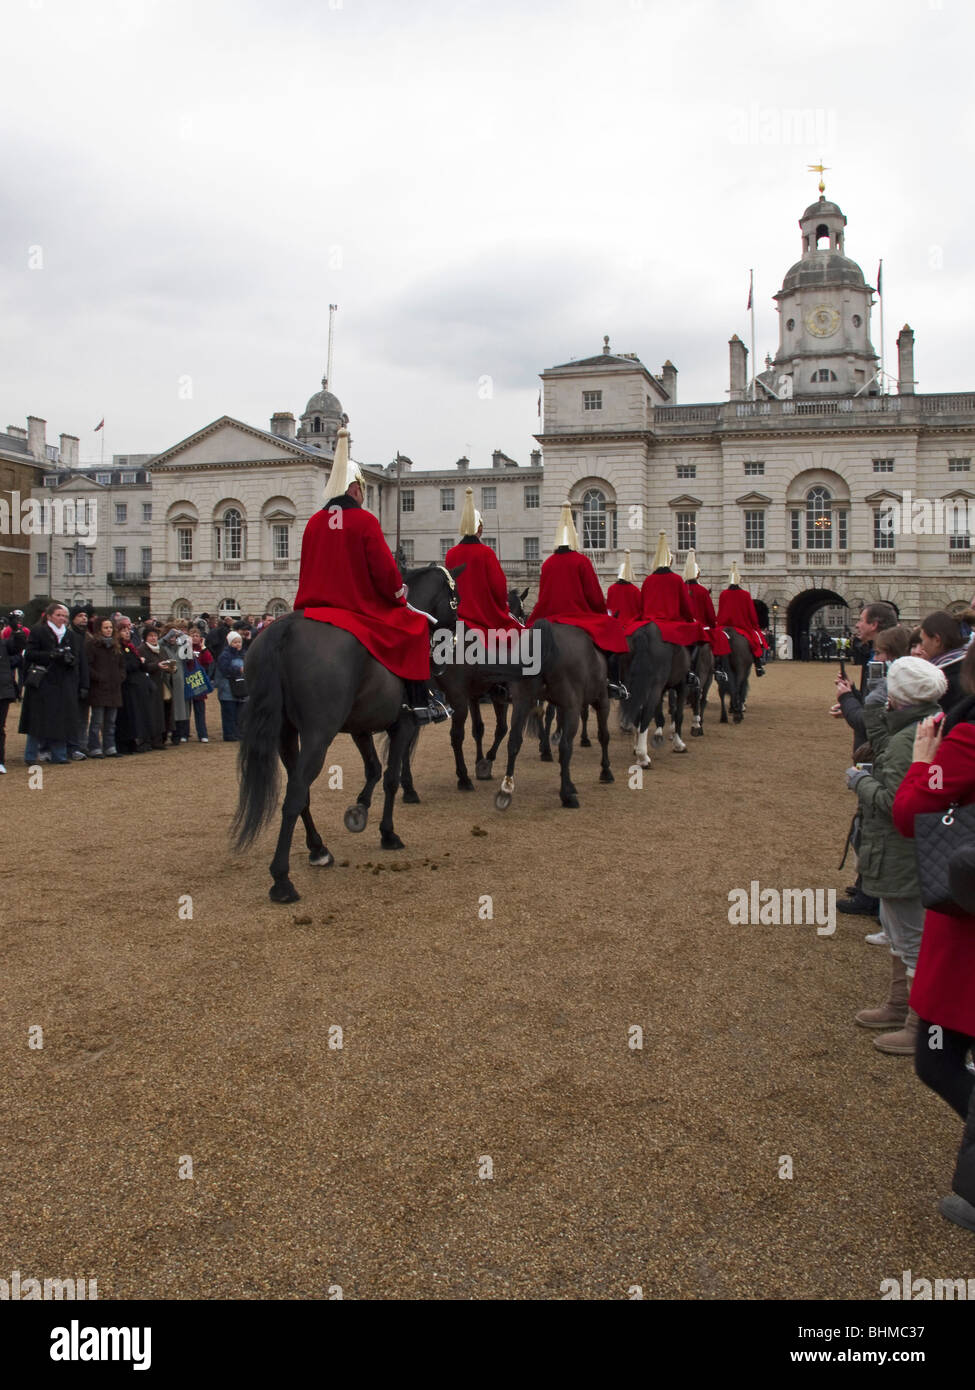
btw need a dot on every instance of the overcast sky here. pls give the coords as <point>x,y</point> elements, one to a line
<point>484,189</point>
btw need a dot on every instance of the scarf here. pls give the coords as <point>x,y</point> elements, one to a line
<point>949,658</point>
<point>58,631</point>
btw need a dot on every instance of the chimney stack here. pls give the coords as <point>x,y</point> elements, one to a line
<point>37,437</point>
<point>69,451</point>
<point>669,374</point>
<point>463,463</point>
<point>536,458</point>
<point>905,361</point>
<point>17,431</point>
<point>739,368</point>
<point>283,424</point>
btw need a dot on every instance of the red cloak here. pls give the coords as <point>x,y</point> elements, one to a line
<point>569,592</point>
<point>735,609</point>
<point>348,578</point>
<point>623,600</point>
<point>482,588</point>
<point>703,610</point>
<point>664,601</point>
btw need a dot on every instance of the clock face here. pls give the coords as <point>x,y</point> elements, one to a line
<point>823,321</point>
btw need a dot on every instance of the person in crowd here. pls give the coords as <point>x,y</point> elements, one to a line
<point>887,862</point>
<point>78,739</point>
<point>15,623</point>
<point>889,644</point>
<point>246,633</point>
<point>49,710</point>
<point>914,643</point>
<point>154,665</point>
<point>216,638</point>
<point>201,660</point>
<point>944,644</point>
<point>11,646</point>
<point>230,668</point>
<point>133,727</point>
<point>176,649</point>
<point>106,672</point>
<point>941,775</point>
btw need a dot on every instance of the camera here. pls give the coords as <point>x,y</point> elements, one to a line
<point>876,670</point>
<point>865,767</point>
<point>67,656</point>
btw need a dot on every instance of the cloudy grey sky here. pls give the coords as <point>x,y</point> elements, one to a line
<point>484,188</point>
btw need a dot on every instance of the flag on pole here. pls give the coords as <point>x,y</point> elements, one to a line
<point>100,425</point>
<point>750,284</point>
<point>539,405</point>
<point>880,278</point>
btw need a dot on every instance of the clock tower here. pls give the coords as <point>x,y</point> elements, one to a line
<point>824,315</point>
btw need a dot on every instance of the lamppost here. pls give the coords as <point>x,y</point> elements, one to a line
<point>775,628</point>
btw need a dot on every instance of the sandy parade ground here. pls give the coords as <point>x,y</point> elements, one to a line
<point>401,1089</point>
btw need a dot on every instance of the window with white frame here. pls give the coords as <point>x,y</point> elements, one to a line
<point>883,530</point>
<point>119,561</point>
<point>128,479</point>
<point>533,497</point>
<point>754,469</point>
<point>146,556</point>
<point>489,499</point>
<point>686,530</point>
<point>959,465</point>
<point>445,544</point>
<point>754,530</point>
<point>281,541</point>
<point>592,400</point>
<point>230,536</point>
<point>121,513</point>
<point>532,551</point>
<point>883,465</point>
<point>408,547</point>
<point>819,519</point>
<point>407,500</point>
<point>184,542</point>
<point>147,511</point>
<point>447,499</point>
<point>491,541</point>
<point>104,478</point>
<point>594,520</point>
<point>687,470</point>
<point>41,563</point>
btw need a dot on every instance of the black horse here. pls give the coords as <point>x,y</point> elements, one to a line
<point>736,687</point>
<point>307,682</point>
<point>655,666</point>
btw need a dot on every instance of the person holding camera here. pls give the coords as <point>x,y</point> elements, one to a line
<point>50,709</point>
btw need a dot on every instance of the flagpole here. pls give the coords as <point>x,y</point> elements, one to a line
<point>880,296</point>
<point>751,305</point>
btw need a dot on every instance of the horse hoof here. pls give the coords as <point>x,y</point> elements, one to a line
<point>697,733</point>
<point>737,718</point>
<point>411,798</point>
<point>606,776</point>
<point>356,818</point>
<point>390,840</point>
<point>658,740</point>
<point>681,749</point>
<point>465,784</point>
<point>585,743</point>
<point>570,803</point>
<point>546,755</point>
<point>284,892</point>
<point>502,800</point>
<point>321,858</point>
<point>483,768</point>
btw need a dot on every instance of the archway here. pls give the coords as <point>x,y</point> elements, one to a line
<point>800,617</point>
<point>762,610</point>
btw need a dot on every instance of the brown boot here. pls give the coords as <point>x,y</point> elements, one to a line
<point>895,1009</point>
<point>901,1043</point>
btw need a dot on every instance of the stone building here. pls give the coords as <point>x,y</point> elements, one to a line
<point>793,476</point>
<point>25,456</point>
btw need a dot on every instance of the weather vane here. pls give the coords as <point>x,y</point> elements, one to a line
<point>819,169</point>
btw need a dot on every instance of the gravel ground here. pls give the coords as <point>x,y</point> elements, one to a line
<point>467,1041</point>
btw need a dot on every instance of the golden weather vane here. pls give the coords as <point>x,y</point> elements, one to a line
<point>819,169</point>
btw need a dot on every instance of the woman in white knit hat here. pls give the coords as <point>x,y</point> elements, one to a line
<point>887,862</point>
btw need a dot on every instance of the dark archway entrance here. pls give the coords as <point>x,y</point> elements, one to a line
<point>802,612</point>
<point>762,610</point>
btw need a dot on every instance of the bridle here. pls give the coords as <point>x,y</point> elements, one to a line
<point>451,584</point>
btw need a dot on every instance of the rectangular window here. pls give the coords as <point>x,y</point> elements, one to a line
<point>755,470</point>
<point>796,530</point>
<point>754,530</point>
<point>532,552</point>
<point>533,497</point>
<point>104,478</point>
<point>491,541</point>
<point>883,465</point>
<point>147,511</point>
<point>687,470</point>
<point>883,531</point>
<point>121,513</point>
<point>86,561</point>
<point>592,400</point>
<point>281,537</point>
<point>959,465</point>
<point>146,561</point>
<point>489,499</point>
<point>959,537</point>
<point>41,563</point>
<point>841,520</point>
<point>128,478</point>
<point>407,500</point>
<point>686,530</point>
<point>408,548</point>
<point>184,542</point>
<point>69,562</point>
<point>445,544</point>
<point>119,553</point>
<point>446,499</point>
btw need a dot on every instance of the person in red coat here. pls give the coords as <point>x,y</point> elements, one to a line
<point>664,601</point>
<point>736,609</point>
<point>623,597</point>
<point>348,578</point>
<point>569,592</point>
<point>943,995</point>
<point>703,610</point>
<point>482,589</point>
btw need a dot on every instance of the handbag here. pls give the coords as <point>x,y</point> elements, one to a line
<point>35,675</point>
<point>939,835</point>
<point>197,683</point>
<point>238,687</point>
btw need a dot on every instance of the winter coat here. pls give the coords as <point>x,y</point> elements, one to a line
<point>135,723</point>
<point>175,679</point>
<point>10,647</point>
<point>230,663</point>
<point>157,708</point>
<point>106,671</point>
<point>943,991</point>
<point>50,711</point>
<point>887,862</point>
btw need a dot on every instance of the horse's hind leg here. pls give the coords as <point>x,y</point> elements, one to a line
<point>584,740</point>
<point>602,732</point>
<point>411,796</point>
<point>570,725</point>
<point>399,738</point>
<point>485,768</point>
<point>677,743</point>
<point>317,853</point>
<point>545,740</point>
<point>357,816</point>
<point>658,722</point>
<point>457,723</point>
<point>306,766</point>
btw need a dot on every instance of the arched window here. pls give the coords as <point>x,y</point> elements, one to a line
<point>317,428</point>
<point>229,605</point>
<point>277,608</point>
<point>819,519</point>
<point>594,519</point>
<point>181,609</point>
<point>230,535</point>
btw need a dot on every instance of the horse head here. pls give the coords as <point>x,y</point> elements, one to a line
<point>516,604</point>
<point>434,590</point>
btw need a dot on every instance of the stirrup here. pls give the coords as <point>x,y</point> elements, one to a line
<point>618,691</point>
<point>433,713</point>
<point>692,680</point>
<point>721,677</point>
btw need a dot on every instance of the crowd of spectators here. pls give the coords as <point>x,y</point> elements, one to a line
<point>102,686</point>
<point>912,714</point>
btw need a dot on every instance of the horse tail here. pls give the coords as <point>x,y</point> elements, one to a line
<point>549,652</point>
<point>260,736</point>
<point>638,677</point>
<point>535,725</point>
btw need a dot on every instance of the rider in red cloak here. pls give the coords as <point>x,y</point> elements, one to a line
<point>623,597</point>
<point>664,601</point>
<point>481,587</point>
<point>703,610</point>
<point>348,578</point>
<point>736,609</point>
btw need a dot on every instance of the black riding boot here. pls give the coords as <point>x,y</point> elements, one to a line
<point>423,706</point>
<point>617,690</point>
<point>759,667</point>
<point>721,672</point>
